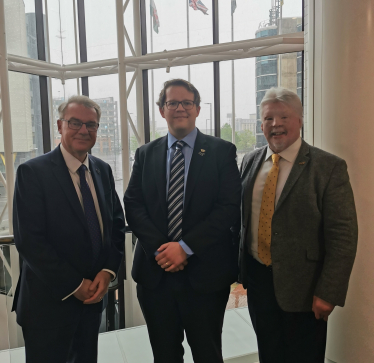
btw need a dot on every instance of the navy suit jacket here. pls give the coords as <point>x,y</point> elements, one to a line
<point>211,206</point>
<point>52,237</point>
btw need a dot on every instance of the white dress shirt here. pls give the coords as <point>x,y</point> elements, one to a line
<point>73,165</point>
<point>286,161</point>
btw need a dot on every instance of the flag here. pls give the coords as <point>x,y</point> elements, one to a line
<point>198,5</point>
<point>233,6</point>
<point>154,15</point>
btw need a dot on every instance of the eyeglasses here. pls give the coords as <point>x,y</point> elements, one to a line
<point>75,124</point>
<point>173,105</point>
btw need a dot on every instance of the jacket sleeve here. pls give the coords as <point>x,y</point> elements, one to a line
<point>30,236</point>
<point>118,231</point>
<point>149,236</point>
<point>226,210</point>
<point>340,237</point>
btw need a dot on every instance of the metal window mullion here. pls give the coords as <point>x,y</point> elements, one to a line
<point>43,81</point>
<point>82,42</point>
<point>216,75</point>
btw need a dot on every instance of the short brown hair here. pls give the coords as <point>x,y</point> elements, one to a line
<point>182,83</point>
<point>80,100</point>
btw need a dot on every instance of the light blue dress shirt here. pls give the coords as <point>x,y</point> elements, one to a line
<point>187,152</point>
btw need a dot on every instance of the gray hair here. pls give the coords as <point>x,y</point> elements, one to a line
<point>80,100</point>
<point>280,94</point>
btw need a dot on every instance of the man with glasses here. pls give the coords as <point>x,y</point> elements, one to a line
<point>182,199</point>
<point>69,230</point>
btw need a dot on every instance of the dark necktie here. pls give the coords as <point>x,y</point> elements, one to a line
<point>91,215</point>
<point>175,194</point>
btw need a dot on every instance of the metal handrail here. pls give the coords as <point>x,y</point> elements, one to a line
<point>6,240</point>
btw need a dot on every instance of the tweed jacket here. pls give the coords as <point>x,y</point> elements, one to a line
<point>314,229</point>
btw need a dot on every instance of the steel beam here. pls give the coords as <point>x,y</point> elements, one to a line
<point>122,94</point>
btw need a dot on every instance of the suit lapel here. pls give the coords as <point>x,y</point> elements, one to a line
<point>96,177</point>
<point>159,163</point>
<point>197,161</point>
<point>63,177</point>
<point>298,167</point>
<point>249,179</point>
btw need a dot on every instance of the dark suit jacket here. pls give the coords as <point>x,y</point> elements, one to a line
<point>212,204</point>
<point>314,228</point>
<point>52,237</point>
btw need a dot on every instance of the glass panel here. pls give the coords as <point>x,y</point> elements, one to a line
<point>258,18</point>
<point>61,31</point>
<point>101,29</point>
<point>284,70</point>
<point>177,28</point>
<point>60,93</point>
<point>105,91</point>
<point>202,79</point>
<point>5,285</point>
<point>26,128</point>
<point>20,27</point>
<point>244,102</point>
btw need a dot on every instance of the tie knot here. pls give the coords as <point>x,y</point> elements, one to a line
<point>275,158</point>
<point>180,144</point>
<point>82,169</point>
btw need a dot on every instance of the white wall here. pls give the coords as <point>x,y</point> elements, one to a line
<point>344,90</point>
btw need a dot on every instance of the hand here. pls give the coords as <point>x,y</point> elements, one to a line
<point>83,293</point>
<point>171,255</point>
<point>99,287</point>
<point>180,267</point>
<point>321,308</point>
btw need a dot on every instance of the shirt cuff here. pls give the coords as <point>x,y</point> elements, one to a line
<point>73,291</point>
<point>186,249</point>
<point>111,272</point>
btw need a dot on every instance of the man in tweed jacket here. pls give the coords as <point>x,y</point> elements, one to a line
<point>313,236</point>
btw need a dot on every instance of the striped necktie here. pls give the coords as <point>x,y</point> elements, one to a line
<point>91,215</point>
<point>267,211</point>
<point>175,194</point>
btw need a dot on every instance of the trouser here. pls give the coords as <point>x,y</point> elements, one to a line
<point>76,343</point>
<point>173,308</point>
<point>282,337</point>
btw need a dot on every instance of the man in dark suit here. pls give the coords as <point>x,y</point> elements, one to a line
<point>69,230</point>
<point>183,197</point>
<point>299,235</point>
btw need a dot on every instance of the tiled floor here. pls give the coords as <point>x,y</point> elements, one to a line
<point>132,345</point>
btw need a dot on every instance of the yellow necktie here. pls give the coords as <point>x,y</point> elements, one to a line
<point>267,211</point>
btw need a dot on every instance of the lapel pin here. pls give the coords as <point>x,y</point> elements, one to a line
<point>98,171</point>
<point>302,163</point>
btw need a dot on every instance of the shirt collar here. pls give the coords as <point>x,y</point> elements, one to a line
<point>189,139</point>
<point>72,162</point>
<point>290,154</point>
